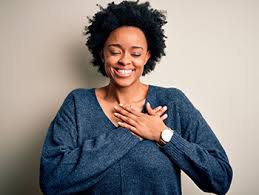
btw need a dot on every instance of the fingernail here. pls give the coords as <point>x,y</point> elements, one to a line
<point>165,107</point>
<point>116,114</point>
<point>119,123</point>
<point>115,107</point>
<point>148,103</point>
<point>121,104</point>
<point>159,107</point>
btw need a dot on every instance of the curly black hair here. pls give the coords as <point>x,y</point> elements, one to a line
<point>127,13</point>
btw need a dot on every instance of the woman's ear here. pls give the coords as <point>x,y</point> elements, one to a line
<point>101,55</point>
<point>147,56</point>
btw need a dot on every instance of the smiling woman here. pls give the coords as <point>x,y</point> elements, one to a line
<point>109,140</point>
<point>125,53</point>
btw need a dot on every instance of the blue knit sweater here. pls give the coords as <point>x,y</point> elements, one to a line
<point>84,153</point>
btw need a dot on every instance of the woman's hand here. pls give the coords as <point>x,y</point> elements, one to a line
<point>147,126</point>
<point>157,111</point>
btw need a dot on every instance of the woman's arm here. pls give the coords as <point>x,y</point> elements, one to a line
<point>67,167</point>
<point>197,151</point>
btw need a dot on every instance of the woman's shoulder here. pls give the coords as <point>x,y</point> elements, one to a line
<point>173,95</point>
<point>80,92</point>
<point>168,92</point>
<point>78,95</point>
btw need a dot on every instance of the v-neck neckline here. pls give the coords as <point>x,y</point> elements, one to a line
<point>107,118</point>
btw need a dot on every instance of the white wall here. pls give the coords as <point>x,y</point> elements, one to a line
<point>212,55</point>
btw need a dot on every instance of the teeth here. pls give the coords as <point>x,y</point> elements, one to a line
<point>124,71</point>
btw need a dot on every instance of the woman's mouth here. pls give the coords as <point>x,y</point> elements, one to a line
<point>123,72</point>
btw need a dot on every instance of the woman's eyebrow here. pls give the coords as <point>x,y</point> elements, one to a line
<point>114,45</point>
<point>137,47</point>
<point>118,45</point>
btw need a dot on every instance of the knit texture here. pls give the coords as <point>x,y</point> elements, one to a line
<point>85,153</point>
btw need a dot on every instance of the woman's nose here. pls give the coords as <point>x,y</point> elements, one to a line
<point>125,59</point>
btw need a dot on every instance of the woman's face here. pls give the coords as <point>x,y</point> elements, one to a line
<point>125,54</point>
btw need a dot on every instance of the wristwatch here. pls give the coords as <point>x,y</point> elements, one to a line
<point>166,136</point>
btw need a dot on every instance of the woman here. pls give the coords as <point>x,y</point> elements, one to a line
<point>110,140</point>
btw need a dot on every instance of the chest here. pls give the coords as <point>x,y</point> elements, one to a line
<point>108,109</point>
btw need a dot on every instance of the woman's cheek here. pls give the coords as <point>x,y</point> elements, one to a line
<point>111,61</point>
<point>140,63</point>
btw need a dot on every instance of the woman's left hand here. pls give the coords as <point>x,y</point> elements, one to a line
<point>148,126</point>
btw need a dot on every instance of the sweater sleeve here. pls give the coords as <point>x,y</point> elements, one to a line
<point>67,167</point>
<point>197,151</point>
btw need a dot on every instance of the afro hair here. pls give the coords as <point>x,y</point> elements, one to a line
<point>127,13</point>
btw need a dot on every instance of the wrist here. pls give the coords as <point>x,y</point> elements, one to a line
<point>158,137</point>
<point>165,136</point>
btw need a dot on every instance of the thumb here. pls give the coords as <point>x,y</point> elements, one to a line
<point>149,109</point>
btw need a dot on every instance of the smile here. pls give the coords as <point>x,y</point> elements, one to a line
<point>124,72</point>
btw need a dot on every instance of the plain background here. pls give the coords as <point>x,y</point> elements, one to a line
<point>212,56</point>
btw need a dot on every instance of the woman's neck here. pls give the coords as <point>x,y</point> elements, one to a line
<point>125,95</point>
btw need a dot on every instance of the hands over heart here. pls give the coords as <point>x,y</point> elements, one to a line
<point>144,125</point>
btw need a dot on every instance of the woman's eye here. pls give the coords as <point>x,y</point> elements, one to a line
<point>114,53</point>
<point>136,54</point>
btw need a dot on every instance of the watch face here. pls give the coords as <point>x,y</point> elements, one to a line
<point>167,135</point>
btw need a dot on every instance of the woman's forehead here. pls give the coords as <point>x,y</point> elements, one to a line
<point>127,36</point>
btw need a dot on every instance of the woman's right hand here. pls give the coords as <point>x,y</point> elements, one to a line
<point>156,111</point>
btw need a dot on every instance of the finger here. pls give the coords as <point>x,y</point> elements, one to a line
<point>125,125</point>
<point>126,119</point>
<point>161,111</point>
<point>149,109</point>
<point>164,117</point>
<point>131,110</point>
<point>157,109</point>
<point>121,110</point>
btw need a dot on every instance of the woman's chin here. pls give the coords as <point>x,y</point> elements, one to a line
<point>123,82</point>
